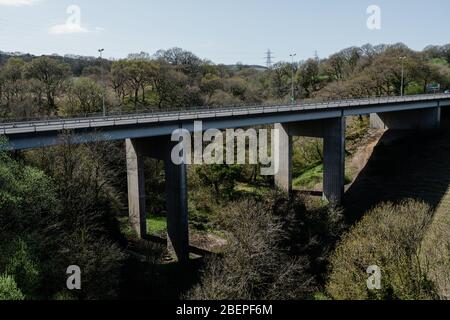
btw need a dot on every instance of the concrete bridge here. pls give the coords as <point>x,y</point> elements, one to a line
<point>149,135</point>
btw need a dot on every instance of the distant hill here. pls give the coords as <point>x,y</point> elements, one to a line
<point>79,63</point>
<point>76,62</point>
<point>244,66</point>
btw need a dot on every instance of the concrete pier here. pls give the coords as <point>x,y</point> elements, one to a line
<point>176,191</point>
<point>177,209</point>
<point>283,143</point>
<point>136,187</point>
<point>334,160</point>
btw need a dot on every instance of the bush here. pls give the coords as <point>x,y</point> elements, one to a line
<point>254,266</point>
<point>310,229</point>
<point>220,178</point>
<point>389,237</point>
<point>23,268</point>
<point>100,261</point>
<point>9,290</point>
<point>84,230</point>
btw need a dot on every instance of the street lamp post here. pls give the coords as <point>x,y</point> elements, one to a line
<point>403,75</point>
<point>293,90</point>
<point>104,82</point>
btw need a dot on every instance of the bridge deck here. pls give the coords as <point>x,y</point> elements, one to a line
<point>347,107</point>
<point>42,133</point>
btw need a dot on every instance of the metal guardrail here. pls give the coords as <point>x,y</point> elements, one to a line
<point>199,113</point>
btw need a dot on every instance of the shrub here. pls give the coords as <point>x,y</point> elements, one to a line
<point>99,259</point>
<point>9,290</point>
<point>389,237</point>
<point>23,268</point>
<point>310,229</point>
<point>254,266</point>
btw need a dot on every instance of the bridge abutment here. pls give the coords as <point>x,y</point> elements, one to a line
<point>332,131</point>
<point>420,119</point>
<point>176,191</point>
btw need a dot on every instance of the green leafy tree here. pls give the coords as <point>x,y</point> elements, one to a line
<point>84,96</point>
<point>209,84</point>
<point>139,73</point>
<point>9,290</point>
<point>52,75</point>
<point>221,178</point>
<point>389,237</point>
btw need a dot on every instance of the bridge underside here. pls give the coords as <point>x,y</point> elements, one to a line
<point>332,131</point>
<point>407,120</point>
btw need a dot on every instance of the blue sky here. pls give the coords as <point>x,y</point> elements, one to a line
<point>223,31</point>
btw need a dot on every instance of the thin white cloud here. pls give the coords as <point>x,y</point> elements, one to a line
<point>68,29</point>
<point>18,3</point>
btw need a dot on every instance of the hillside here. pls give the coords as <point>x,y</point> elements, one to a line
<point>411,166</point>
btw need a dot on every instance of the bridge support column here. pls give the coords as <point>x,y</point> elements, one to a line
<point>136,187</point>
<point>334,160</point>
<point>429,118</point>
<point>176,191</point>
<point>177,209</point>
<point>283,144</point>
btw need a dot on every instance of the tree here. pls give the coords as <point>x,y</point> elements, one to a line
<point>52,75</point>
<point>220,177</point>
<point>139,56</point>
<point>280,77</point>
<point>85,222</point>
<point>427,73</point>
<point>237,86</point>
<point>169,85</point>
<point>335,67</point>
<point>209,84</point>
<point>139,73</point>
<point>390,237</point>
<point>255,265</point>
<point>178,57</point>
<point>9,290</point>
<point>27,206</point>
<point>12,81</point>
<point>84,97</point>
<point>309,76</point>
<point>183,61</point>
<point>2,88</point>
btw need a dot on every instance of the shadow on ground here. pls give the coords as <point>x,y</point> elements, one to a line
<point>150,273</point>
<point>404,165</point>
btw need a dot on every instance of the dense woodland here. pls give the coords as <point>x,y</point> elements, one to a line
<point>175,79</point>
<point>67,205</point>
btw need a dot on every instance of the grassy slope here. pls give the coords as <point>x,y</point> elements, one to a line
<point>436,246</point>
<point>418,167</point>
